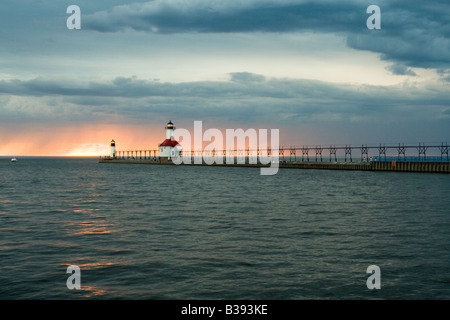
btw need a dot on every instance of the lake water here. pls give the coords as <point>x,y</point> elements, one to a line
<point>182,232</point>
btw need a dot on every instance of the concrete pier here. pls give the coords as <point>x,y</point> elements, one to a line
<point>393,166</point>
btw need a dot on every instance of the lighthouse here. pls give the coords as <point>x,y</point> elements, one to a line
<point>169,148</point>
<point>113,149</point>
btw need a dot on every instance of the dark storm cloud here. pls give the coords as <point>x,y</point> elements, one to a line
<point>400,69</point>
<point>414,33</point>
<point>224,17</point>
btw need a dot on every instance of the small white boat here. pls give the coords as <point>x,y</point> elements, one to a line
<point>14,159</point>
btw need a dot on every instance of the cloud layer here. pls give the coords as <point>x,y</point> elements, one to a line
<point>245,97</point>
<point>413,33</point>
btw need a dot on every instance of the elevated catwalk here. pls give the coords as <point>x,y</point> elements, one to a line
<point>382,158</point>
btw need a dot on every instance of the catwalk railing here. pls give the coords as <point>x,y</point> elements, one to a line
<point>318,153</point>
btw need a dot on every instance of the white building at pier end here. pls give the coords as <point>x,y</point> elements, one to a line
<point>169,148</point>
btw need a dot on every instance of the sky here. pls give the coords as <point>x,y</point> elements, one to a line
<point>310,68</point>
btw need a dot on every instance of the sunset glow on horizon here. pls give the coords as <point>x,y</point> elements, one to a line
<point>94,140</point>
<point>88,141</point>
